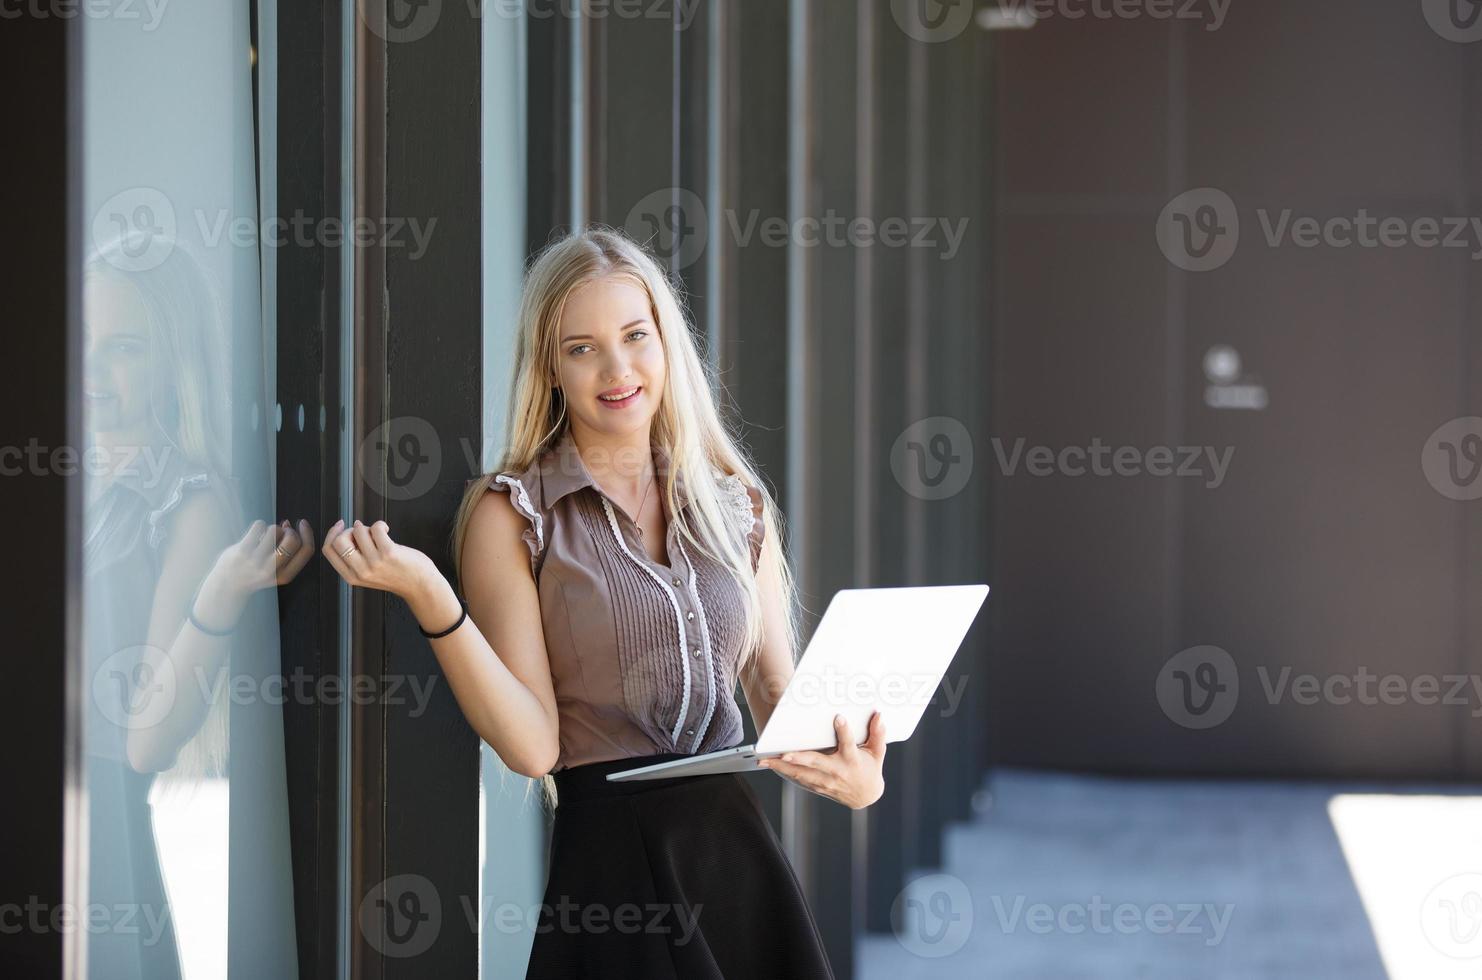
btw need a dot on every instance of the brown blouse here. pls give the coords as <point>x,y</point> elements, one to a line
<point>643,655</point>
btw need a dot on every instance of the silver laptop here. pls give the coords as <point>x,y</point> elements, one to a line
<point>874,649</point>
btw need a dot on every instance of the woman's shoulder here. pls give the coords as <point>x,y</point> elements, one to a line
<point>522,486</point>
<point>746,505</point>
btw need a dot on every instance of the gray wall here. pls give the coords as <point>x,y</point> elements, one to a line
<point>1325,548</point>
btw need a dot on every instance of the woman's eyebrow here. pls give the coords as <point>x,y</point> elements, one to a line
<point>587,336</point>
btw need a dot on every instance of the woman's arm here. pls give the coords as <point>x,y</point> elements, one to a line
<point>176,654</point>
<point>496,663</point>
<point>768,673</point>
<point>849,773</point>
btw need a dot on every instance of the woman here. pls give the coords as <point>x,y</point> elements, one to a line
<point>164,579</point>
<point>621,576</point>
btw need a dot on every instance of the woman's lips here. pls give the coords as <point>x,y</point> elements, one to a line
<point>623,402</point>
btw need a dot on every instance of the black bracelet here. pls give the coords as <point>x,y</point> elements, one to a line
<point>461,618</point>
<point>190,614</point>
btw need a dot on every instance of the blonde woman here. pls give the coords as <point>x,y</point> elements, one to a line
<point>623,571</point>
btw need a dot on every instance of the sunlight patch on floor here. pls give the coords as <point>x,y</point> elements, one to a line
<point>1417,864</point>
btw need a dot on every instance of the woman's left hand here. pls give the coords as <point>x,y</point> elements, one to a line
<point>849,774</point>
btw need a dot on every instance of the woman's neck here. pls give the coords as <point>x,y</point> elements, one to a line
<point>622,464</point>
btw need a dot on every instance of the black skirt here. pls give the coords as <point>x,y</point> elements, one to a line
<point>669,879</point>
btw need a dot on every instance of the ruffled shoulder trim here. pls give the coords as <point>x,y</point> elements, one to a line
<point>158,527</point>
<point>519,495</point>
<point>746,510</point>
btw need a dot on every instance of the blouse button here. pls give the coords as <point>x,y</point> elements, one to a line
<point>697,651</point>
<point>689,731</point>
<point>689,615</point>
<point>676,581</point>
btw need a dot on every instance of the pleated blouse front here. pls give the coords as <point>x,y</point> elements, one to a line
<point>643,655</point>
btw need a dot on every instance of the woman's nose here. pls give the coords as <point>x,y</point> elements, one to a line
<point>617,369</point>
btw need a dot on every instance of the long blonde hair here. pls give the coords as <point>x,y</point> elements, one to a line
<point>687,427</point>
<point>186,327</point>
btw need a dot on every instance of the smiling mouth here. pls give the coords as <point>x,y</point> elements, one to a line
<point>626,396</point>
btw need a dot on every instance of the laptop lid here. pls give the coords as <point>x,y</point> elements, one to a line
<point>884,649</point>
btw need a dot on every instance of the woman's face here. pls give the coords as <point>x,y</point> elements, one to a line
<point>610,346</point>
<point>117,358</point>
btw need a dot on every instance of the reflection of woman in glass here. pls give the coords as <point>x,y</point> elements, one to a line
<point>161,527</point>
<point>626,576</point>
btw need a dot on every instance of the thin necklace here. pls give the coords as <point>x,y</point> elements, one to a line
<point>641,502</point>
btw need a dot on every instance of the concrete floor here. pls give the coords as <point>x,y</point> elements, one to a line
<point>1068,877</point>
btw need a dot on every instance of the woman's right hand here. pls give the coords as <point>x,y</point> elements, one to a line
<point>366,557</point>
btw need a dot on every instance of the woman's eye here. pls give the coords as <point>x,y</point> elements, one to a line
<point>638,333</point>
<point>576,349</point>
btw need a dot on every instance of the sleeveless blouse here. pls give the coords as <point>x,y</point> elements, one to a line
<point>643,655</point>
